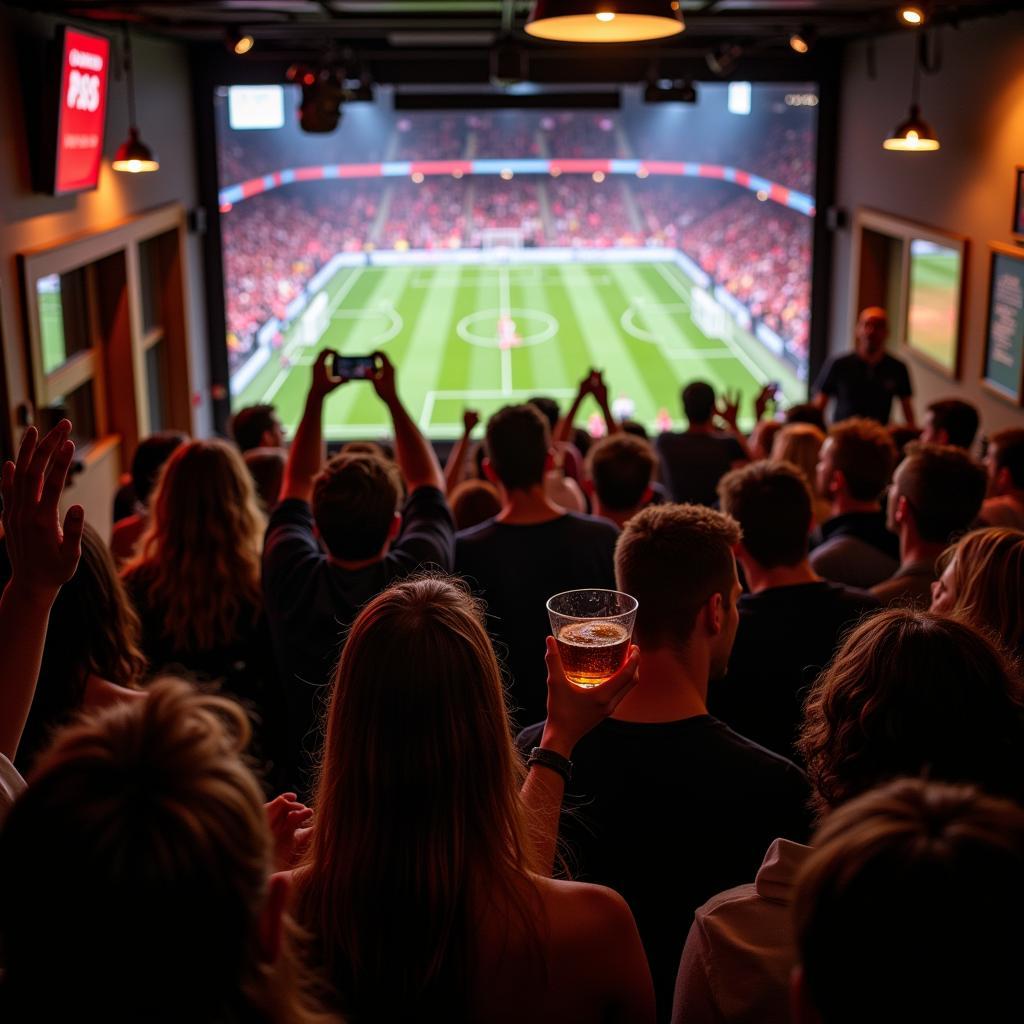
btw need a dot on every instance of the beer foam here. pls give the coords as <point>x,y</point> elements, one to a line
<point>594,633</point>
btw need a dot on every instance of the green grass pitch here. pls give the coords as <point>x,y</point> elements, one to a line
<point>51,327</point>
<point>440,325</point>
<point>932,313</point>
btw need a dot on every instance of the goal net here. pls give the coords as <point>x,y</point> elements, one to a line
<point>707,314</point>
<point>501,238</point>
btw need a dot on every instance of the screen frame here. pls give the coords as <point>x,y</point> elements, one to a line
<point>215,70</point>
<point>905,232</point>
<point>55,111</point>
<point>997,249</point>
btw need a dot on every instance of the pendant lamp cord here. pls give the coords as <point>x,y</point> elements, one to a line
<point>129,74</point>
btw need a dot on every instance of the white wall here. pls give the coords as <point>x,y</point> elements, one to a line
<point>976,105</point>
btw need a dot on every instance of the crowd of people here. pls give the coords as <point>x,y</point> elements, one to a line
<point>306,750</point>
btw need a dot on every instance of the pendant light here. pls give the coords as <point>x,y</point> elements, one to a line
<point>605,21</point>
<point>133,156</point>
<point>915,134</point>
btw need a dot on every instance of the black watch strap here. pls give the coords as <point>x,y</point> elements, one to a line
<point>553,760</point>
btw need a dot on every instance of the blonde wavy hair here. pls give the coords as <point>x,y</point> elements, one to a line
<point>199,560</point>
<point>143,845</point>
<point>988,581</point>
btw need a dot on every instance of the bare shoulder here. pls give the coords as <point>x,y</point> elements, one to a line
<point>582,908</point>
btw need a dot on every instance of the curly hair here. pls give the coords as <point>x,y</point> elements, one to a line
<point>988,581</point>
<point>912,693</point>
<point>199,560</point>
<point>143,837</point>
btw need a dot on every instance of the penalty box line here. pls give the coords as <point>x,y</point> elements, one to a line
<point>473,395</point>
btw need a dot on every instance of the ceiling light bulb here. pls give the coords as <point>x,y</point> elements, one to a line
<point>798,43</point>
<point>913,16</point>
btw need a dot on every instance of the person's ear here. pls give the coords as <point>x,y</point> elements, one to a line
<point>836,482</point>
<point>1003,481</point>
<point>396,526</point>
<point>741,554</point>
<point>801,1009</point>
<point>489,472</point>
<point>714,614</point>
<point>900,513</point>
<point>588,487</point>
<point>647,495</point>
<point>271,922</point>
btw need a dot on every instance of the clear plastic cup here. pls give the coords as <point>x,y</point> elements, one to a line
<point>593,629</point>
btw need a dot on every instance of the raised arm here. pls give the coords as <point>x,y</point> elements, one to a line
<point>306,454</point>
<point>728,409</point>
<point>416,458</point>
<point>44,556</point>
<point>572,713</point>
<point>455,467</point>
<point>600,392</point>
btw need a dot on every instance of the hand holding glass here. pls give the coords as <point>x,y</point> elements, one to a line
<point>593,629</point>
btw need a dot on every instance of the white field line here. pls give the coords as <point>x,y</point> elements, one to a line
<point>338,299</point>
<point>474,395</point>
<point>755,371</point>
<point>504,309</point>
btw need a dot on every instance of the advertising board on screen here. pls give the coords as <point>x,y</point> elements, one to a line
<point>82,108</point>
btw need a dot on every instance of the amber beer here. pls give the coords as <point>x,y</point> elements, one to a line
<point>592,652</point>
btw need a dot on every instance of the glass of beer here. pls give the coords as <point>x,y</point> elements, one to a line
<point>593,630</point>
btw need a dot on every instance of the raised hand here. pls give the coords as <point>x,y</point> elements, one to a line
<point>728,408</point>
<point>598,388</point>
<point>470,418</point>
<point>44,553</point>
<point>287,818</point>
<point>574,710</point>
<point>764,396</point>
<point>384,382</point>
<point>324,381</point>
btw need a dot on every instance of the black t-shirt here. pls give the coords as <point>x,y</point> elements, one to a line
<point>311,601</point>
<point>516,568</point>
<point>785,637</point>
<point>669,814</point>
<point>861,389</point>
<point>866,526</point>
<point>693,463</point>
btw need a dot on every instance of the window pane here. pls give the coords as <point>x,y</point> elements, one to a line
<point>152,261</point>
<point>156,385</point>
<point>63,317</point>
<point>79,407</point>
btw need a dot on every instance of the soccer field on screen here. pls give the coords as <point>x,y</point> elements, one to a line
<point>468,336</point>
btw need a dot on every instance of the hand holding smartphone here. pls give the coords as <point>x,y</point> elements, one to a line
<point>355,367</point>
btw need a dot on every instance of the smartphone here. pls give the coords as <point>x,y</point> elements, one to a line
<point>355,367</point>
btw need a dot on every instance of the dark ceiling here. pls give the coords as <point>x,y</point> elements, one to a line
<point>454,41</point>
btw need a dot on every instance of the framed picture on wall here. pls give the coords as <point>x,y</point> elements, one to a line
<point>917,274</point>
<point>1002,372</point>
<point>1018,204</point>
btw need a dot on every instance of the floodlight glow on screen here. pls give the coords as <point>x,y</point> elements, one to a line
<point>255,106</point>
<point>494,255</point>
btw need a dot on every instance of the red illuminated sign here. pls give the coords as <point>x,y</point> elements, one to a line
<point>83,106</point>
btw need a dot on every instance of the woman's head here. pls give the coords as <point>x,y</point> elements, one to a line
<point>982,582</point>
<point>200,558</point>
<point>912,693</point>
<point>800,444</point>
<point>418,812</point>
<point>134,872</point>
<point>93,631</point>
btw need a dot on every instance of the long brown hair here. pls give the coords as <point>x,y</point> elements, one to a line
<point>912,693</point>
<point>988,581</point>
<point>419,820</point>
<point>200,557</point>
<point>93,630</point>
<point>142,841</point>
